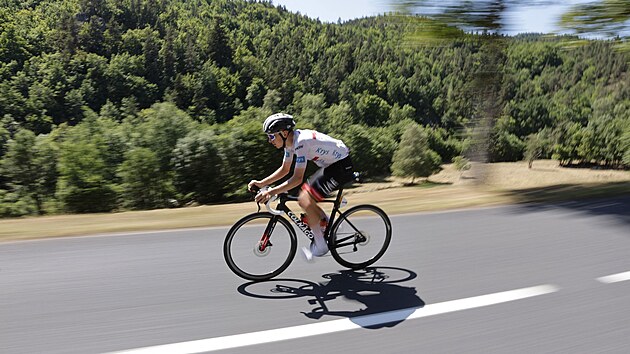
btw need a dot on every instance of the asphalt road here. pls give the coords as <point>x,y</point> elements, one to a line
<point>517,279</point>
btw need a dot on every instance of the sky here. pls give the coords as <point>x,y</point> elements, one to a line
<point>520,19</point>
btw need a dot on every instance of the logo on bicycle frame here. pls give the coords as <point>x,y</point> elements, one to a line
<point>304,227</point>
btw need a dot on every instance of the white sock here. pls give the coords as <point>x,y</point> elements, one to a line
<point>318,233</point>
<point>319,241</point>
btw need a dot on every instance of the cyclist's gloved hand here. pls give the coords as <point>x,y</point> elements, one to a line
<point>254,186</point>
<point>262,197</point>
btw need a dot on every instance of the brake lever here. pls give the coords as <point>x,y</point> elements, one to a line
<point>255,190</point>
<point>268,204</point>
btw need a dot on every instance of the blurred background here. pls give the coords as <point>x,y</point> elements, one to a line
<point>143,104</point>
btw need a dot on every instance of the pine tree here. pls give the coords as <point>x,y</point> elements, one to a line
<point>219,47</point>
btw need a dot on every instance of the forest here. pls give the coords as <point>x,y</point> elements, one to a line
<point>144,104</point>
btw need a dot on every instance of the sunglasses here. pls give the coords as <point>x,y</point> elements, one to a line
<point>271,137</point>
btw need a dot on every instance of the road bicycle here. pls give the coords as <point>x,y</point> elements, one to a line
<point>356,237</point>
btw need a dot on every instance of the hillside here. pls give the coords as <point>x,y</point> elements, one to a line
<point>143,104</point>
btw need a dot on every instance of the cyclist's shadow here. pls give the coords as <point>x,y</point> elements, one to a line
<point>383,304</point>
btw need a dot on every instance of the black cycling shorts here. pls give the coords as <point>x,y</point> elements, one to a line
<point>322,183</point>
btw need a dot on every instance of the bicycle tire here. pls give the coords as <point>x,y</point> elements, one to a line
<point>238,241</point>
<point>349,235</point>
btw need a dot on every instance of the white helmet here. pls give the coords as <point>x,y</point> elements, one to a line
<point>277,122</point>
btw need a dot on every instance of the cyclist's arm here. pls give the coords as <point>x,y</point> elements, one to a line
<point>294,181</point>
<point>277,174</point>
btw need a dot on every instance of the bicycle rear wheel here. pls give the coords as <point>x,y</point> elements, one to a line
<point>260,246</point>
<point>360,236</point>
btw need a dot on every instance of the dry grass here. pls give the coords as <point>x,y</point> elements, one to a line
<point>483,185</point>
<point>516,175</point>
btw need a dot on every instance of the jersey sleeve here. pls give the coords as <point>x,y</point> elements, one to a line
<point>300,156</point>
<point>288,156</point>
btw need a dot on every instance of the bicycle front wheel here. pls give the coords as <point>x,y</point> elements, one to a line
<point>260,246</point>
<point>360,236</point>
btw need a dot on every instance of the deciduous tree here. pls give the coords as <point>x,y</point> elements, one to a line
<point>413,158</point>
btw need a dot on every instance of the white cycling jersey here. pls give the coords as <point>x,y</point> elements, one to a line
<point>315,146</point>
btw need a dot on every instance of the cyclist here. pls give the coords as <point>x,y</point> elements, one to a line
<point>331,155</point>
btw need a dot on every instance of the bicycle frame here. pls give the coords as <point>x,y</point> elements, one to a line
<point>298,222</point>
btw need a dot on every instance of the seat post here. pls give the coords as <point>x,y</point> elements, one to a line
<point>339,196</point>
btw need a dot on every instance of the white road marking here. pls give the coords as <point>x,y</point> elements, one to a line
<point>607,205</point>
<point>274,335</point>
<point>614,278</point>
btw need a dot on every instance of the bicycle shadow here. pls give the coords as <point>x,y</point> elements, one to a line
<point>383,303</point>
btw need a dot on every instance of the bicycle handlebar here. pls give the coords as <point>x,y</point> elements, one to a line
<point>271,200</point>
<point>286,197</point>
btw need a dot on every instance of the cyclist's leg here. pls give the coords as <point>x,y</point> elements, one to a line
<point>320,185</point>
<point>310,195</point>
<point>308,203</point>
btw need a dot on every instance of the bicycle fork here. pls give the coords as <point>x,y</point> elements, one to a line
<point>265,240</point>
